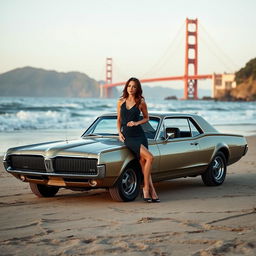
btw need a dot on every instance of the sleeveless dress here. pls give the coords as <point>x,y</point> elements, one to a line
<point>134,136</point>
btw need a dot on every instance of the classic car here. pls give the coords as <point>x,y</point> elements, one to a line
<point>183,145</point>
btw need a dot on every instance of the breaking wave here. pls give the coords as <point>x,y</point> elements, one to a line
<point>78,113</point>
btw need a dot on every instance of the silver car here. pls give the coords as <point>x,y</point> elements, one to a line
<point>183,145</point>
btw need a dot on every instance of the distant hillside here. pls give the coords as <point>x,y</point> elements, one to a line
<point>246,82</point>
<point>156,92</point>
<point>37,82</point>
<point>161,92</point>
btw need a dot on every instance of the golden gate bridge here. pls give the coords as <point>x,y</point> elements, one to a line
<point>190,76</point>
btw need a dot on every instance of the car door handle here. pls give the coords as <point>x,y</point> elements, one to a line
<point>194,143</point>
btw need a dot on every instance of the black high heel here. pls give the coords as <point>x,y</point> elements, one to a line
<point>156,200</point>
<point>146,199</point>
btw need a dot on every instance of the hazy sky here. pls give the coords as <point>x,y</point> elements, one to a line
<point>145,38</point>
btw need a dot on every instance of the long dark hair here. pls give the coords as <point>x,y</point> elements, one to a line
<point>138,94</point>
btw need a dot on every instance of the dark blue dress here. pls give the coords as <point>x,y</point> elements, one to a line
<point>134,136</point>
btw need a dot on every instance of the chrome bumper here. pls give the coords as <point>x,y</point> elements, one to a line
<point>101,172</point>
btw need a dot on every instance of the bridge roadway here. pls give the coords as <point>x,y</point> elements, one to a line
<point>170,78</point>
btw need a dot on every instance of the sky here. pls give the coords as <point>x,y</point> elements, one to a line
<point>145,38</point>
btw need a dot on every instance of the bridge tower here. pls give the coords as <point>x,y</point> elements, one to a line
<point>191,59</point>
<point>109,77</point>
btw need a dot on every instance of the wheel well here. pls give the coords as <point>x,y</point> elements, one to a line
<point>225,152</point>
<point>133,163</point>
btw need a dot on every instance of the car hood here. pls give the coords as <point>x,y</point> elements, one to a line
<point>84,147</point>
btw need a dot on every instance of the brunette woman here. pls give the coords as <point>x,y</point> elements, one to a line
<point>129,107</point>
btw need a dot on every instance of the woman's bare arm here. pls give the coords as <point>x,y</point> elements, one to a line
<point>119,120</point>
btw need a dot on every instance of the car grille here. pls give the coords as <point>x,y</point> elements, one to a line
<point>24,162</point>
<point>68,165</point>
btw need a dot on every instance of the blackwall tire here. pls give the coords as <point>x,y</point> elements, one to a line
<point>216,171</point>
<point>41,190</point>
<point>128,185</point>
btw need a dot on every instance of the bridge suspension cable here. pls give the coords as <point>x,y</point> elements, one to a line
<point>217,51</point>
<point>120,73</point>
<point>171,48</point>
<point>190,75</point>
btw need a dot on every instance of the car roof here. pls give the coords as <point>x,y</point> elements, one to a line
<point>201,122</point>
<point>159,114</point>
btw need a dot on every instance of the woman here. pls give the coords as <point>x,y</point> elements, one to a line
<point>131,133</point>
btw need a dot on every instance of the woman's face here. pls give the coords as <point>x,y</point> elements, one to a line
<point>131,88</point>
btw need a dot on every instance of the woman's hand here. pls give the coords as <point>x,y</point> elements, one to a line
<point>132,123</point>
<point>121,137</point>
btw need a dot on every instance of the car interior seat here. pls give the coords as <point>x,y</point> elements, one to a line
<point>174,131</point>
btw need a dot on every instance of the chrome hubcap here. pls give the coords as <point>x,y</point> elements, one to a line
<point>129,181</point>
<point>218,168</point>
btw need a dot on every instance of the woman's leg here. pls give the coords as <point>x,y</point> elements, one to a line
<point>146,164</point>
<point>142,164</point>
<point>152,189</point>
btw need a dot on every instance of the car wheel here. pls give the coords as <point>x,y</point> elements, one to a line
<point>216,171</point>
<point>41,190</point>
<point>128,185</point>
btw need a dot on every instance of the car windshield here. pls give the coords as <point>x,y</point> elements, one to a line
<point>106,126</point>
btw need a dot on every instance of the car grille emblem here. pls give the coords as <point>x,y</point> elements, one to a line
<point>48,165</point>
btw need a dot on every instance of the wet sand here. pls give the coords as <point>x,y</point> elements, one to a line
<point>192,219</point>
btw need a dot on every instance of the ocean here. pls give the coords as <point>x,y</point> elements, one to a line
<point>32,120</point>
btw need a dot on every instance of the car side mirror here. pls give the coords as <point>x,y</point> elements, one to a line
<point>171,133</point>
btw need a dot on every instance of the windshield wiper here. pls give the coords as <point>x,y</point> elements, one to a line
<point>102,135</point>
<point>91,134</point>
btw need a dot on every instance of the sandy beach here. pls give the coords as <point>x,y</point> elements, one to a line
<point>192,219</point>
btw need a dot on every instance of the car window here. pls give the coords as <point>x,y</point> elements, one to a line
<point>106,125</point>
<point>180,127</point>
<point>150,128</point>
<point>194,130</point>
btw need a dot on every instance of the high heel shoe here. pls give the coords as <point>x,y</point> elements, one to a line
<point>156,200</point>
<point>146,199</point>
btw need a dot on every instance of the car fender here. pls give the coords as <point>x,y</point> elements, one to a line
<point>223,147</point>
<point>129,161</point>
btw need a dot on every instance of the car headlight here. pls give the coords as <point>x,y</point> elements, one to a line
<point>101,170</point>
<point>5,157</point>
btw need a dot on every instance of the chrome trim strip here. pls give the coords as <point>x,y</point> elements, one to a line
<point>101,173</point>
<point>158,126</point>
<point>159,129</point>
<point>52,157</point>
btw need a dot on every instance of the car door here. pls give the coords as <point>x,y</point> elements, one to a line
<point>179,156</point>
